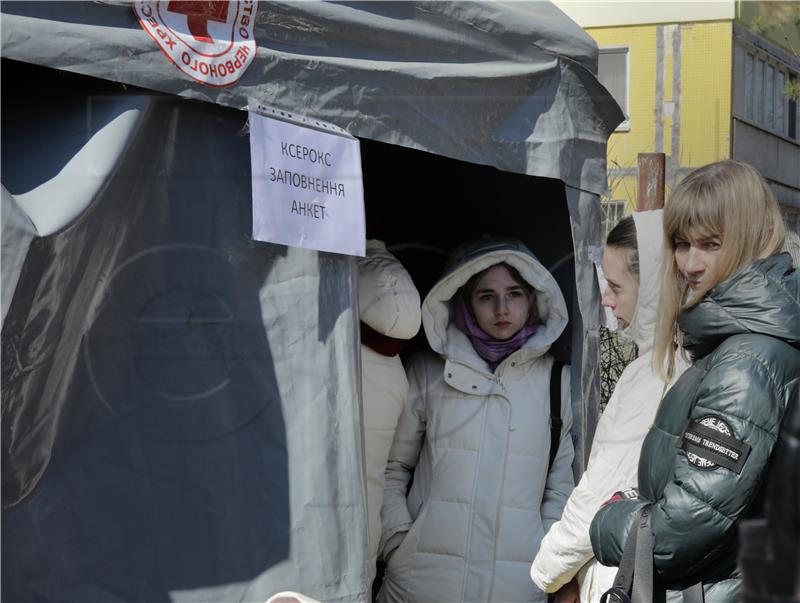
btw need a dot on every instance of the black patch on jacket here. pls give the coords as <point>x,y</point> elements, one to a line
<point>710,443</point>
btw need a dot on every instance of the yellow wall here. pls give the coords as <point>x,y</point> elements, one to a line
<point>706,63</point>
<point>704,96</point>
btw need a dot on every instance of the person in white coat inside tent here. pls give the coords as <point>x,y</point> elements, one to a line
<point>475,434</point>
<point>389,310</point>
<point>632,263</point>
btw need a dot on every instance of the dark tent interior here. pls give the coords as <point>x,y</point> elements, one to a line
<point>423,206</point>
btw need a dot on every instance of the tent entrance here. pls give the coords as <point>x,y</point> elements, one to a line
<point>423,205</point>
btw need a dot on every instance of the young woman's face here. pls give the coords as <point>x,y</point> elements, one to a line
<point>500,305</point>
<point>622,292</point>
<point>698,260</point>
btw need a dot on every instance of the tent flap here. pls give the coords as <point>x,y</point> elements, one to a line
<point>181,417</point>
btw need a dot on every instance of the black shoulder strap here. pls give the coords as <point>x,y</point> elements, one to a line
<point>555,411</point>
<point>634,580</point>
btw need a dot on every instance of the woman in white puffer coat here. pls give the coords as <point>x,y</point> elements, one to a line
<point>475,435</point>
<point>633,266</point>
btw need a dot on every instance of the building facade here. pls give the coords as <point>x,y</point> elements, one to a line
<point>700,82</point>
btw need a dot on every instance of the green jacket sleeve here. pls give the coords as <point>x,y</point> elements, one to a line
<point>697,503</point>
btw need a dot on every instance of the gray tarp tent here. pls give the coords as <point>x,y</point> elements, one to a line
<point>181,416</point>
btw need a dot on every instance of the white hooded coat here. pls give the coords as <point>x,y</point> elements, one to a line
<point>389,303</point>
<point>613,463</point>
<point>477,444</point>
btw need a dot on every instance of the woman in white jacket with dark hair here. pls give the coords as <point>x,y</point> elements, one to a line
<point>475,435</point>
<point>632,263</point>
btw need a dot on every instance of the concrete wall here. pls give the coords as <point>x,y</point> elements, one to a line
<point>776,158</point>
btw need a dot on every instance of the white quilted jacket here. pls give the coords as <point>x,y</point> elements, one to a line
<point>389,303</point>
<point>476,443</point>
<point>613,463</point>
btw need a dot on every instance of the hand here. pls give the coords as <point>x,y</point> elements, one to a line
<point>569,593</point>
<point>614,498</point>
<point>393,544</point>
<point>627,494</point>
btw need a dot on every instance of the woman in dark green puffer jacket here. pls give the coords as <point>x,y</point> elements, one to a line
<point>732,301</point>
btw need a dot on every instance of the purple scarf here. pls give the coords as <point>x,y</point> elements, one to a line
<point>492,350</point>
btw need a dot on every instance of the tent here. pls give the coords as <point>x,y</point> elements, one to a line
<point>180,413</point>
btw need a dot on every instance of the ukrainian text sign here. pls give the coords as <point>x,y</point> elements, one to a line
<point>307,187</point>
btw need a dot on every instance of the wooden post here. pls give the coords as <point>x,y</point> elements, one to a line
<point>651,181</point>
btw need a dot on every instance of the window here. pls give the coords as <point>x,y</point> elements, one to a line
<point>765,102</point>
<point>759,92</point>
<point>612,71</point>
<point>748,86</point>
<point>793,114</point>
<point>769,102</point>
<point>780,107</point>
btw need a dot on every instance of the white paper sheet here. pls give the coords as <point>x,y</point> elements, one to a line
<point>307,187</point>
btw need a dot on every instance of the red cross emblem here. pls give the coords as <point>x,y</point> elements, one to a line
<point>198,13</point>
<point>213,42</point>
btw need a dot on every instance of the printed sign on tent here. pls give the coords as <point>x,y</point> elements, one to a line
<point>307,187</point>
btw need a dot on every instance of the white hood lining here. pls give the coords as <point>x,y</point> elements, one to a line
<point>436,309</point>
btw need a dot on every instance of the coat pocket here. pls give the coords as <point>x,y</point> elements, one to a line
<point>400,563</point>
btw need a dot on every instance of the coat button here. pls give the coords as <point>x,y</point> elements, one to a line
<point>449,375</point>
<point>513,364</point>
<point>474,387</point>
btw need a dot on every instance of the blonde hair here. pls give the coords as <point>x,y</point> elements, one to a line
<point>731,201</point>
